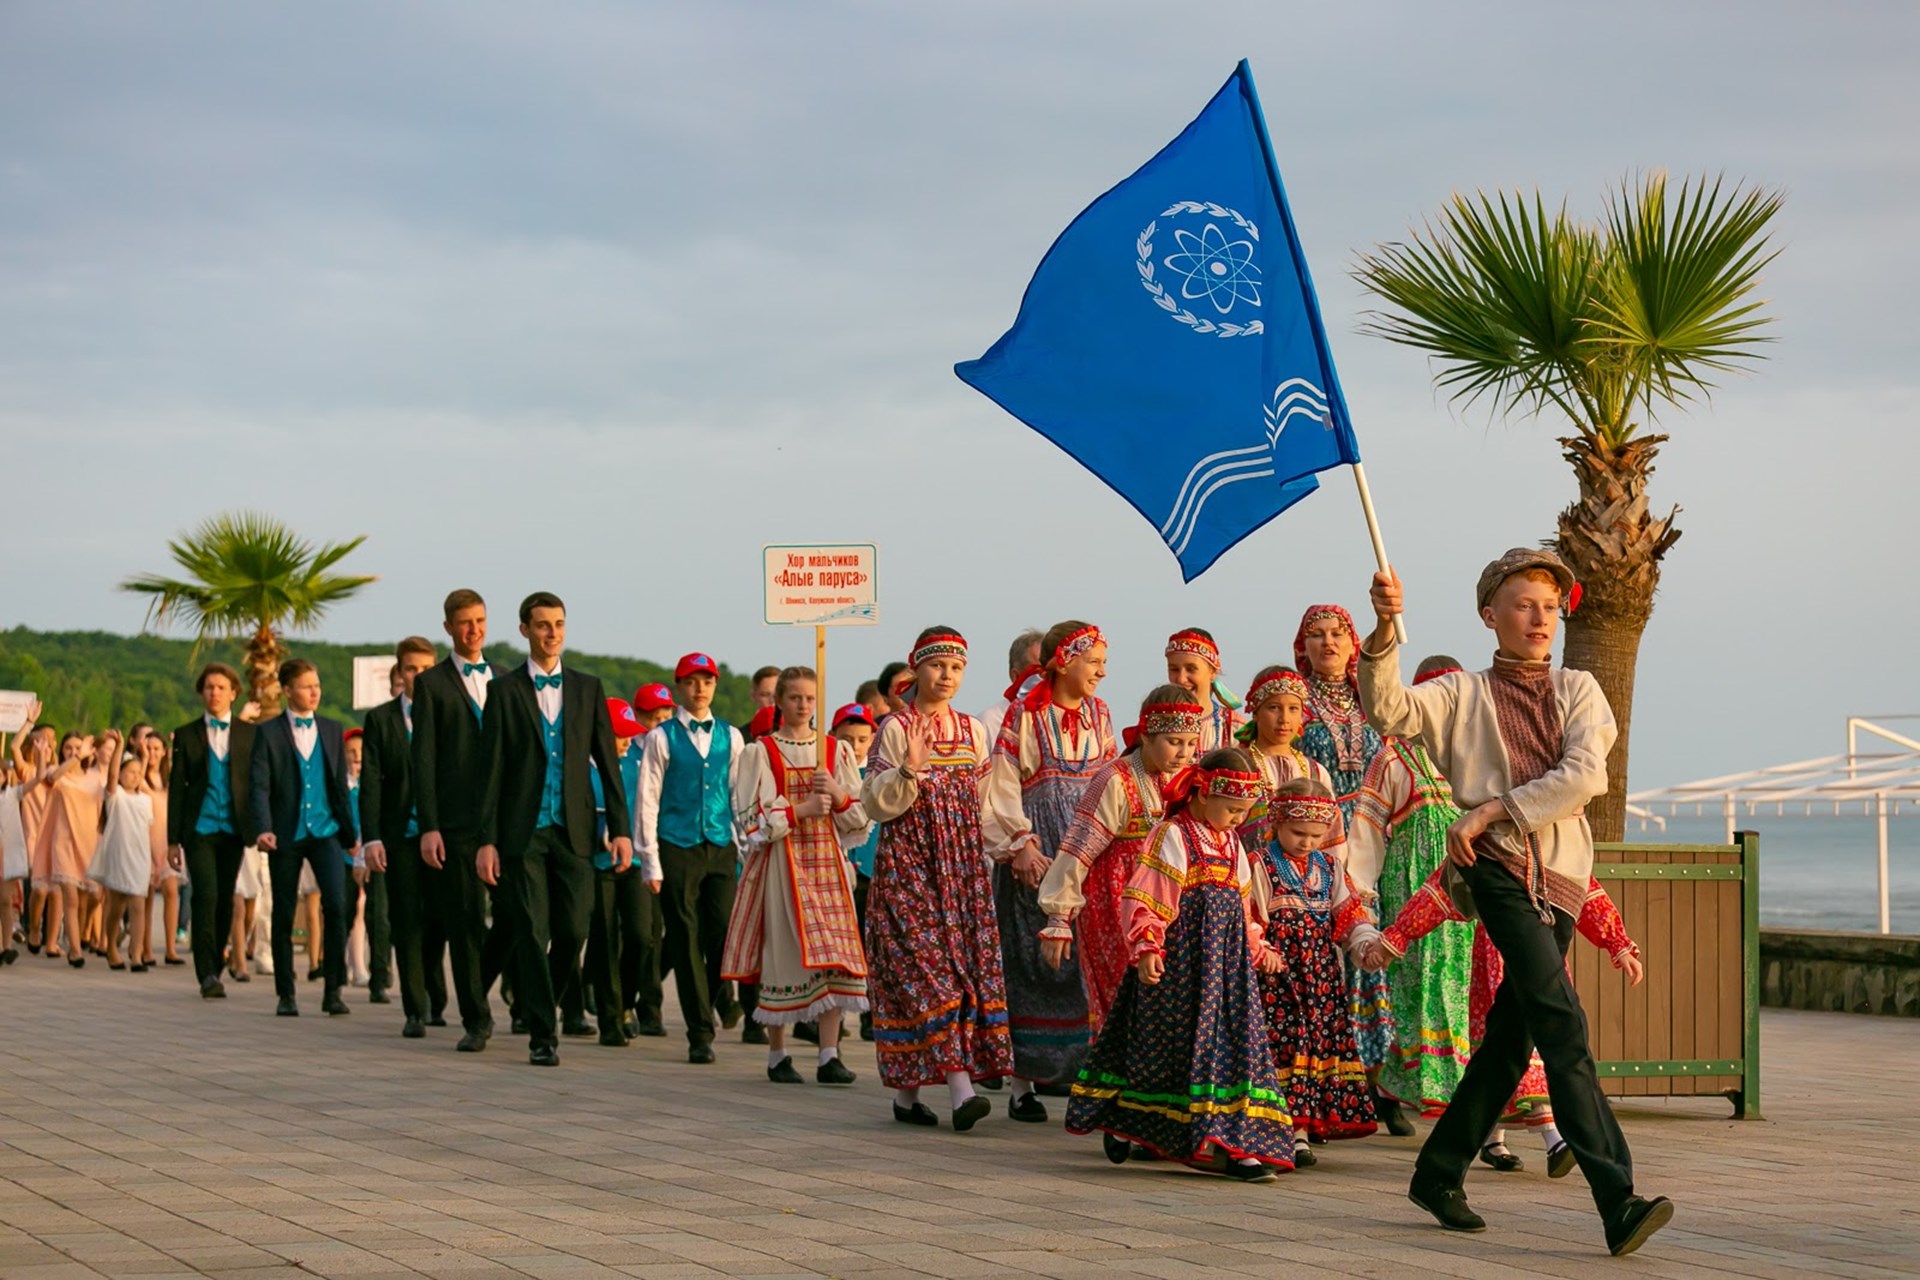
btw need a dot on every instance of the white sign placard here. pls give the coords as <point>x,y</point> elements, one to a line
<point>14,706</point>
<point>811,585</point>
<point>372,680</point>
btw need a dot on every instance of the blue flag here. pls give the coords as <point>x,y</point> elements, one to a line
<point>1171,343</point>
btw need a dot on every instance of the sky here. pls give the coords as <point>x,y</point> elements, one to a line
<point>602,298</point>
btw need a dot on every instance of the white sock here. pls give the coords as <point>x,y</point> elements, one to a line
<point>775,1057</point>
<point>960,1085</point>
<point>1550,1136</point>
<point>1022,1087</point>
<point>829,1053</point>
<point>907,1099</point>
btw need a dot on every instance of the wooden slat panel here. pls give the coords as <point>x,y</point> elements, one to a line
<point>1656,941</point>
<point>1619,1031</point>
<point>1633,907</point>
<point>1706,982</point>
<point>1733,1029</point>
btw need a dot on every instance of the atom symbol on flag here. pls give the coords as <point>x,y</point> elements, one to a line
<point>1215,268</point>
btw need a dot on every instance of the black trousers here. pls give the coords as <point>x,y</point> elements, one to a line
<point>413,906</point>
<point>330,873</point>
<point>548,902</point>
<point>623,951</point>
<point>696,897</point>
<point>379,925</point>
<point>1535,1005</point>
<point>213,863</point>
<point>463,923</point>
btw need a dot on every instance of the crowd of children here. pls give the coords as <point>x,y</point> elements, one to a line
<point>1226,939</point>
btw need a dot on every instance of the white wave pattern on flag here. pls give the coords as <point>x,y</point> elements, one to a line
<point>1296,397</point>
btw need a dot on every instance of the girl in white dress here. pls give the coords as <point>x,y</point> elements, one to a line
<point>123,860</point>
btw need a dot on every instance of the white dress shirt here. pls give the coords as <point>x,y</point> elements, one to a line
<point>654,753</point>
<point>477,682</point>
<point>217,738</point>
<point>406,712</point>
<point>304,739</point>
<point>549,699</point>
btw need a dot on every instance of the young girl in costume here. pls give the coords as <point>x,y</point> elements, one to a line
<point>1276,705</point>
<point>1193,663</point>
<point>1399,840</point>
<point>123,861</point>
<point>933,946</point>
<point>157,751</point>
<point>1119,809</point>
<point>794,930</point>
<point>1182,1066</point>
<point>1054,739</point>
<point>1312,909</point>
<point>1326,650</point>
<point>69,829</point>
<point>1599,922</point>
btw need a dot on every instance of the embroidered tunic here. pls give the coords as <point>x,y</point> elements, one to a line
<point>933,946</point>
<point>1183,1066</point>
<point>793,929</point>
<point>1041,767</point>
<point>1082,892</point>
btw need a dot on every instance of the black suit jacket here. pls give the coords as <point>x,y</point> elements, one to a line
<point>187,784</point>
<point>449,769</point>
<point>386,774</point>
<point>516,751</point>
<point>276,779</point>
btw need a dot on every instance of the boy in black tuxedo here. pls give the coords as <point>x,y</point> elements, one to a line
<point>303,813</point>
<point>390,836</point>
<point>208,816</point>
<point>544,728</point>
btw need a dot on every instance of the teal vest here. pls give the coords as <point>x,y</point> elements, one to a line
<point>216,807</point>
<point>553,812</point>
<point>696,803</point>
<point>316,815</point>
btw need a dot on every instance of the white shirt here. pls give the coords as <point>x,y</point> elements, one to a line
<point>304,739</point>
<point>477,682</point>
<point>406,712</point>
<point>217,738</point>
<point>549,699</point>
<point>654,752</point>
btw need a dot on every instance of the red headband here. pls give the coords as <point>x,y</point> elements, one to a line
<point>1274,684</point>
<point>1072,649</point>
<point>1227,784</point>
<point>945,645</point>
<point>1302,809</point>
<point>1318,613</point>
<point>1196,644</point>
<point>1167,717</point>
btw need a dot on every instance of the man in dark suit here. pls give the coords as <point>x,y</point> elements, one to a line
<point>390,839</point>
<point>544,729</point>
<point>304,813</point>
<point>209,816</point>
<point>449,779</point>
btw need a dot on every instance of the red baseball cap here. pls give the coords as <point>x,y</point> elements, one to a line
<point>652,697</point>
<point>351,734</point>
<point>853,713</point>
<point>625,723</point>
<point>696,664</point>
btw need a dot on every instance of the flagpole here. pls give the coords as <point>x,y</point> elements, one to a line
<point>1245,72</point>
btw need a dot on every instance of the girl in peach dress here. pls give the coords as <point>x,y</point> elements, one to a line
<point>166,881</point>
<point>64,845</point>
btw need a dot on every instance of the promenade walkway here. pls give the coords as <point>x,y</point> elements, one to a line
<point>145,1132</point>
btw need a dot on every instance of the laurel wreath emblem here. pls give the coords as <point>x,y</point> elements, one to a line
<point>1164,300</point>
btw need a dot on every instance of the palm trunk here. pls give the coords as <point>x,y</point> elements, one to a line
<point>1614,547</point>
<point>264,655</point>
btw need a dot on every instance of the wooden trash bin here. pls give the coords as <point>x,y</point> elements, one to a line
<point>1692,1029</point>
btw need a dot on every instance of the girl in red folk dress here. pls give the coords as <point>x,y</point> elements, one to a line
<point>933,946</point>
<point>1599,922</point>
<point>1119,808</point>
<point>794,931</point>
<point>1312,909</point>
<point>1276,705</point>
<point>1193,663</point>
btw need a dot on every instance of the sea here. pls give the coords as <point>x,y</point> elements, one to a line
<point>1817,872</point>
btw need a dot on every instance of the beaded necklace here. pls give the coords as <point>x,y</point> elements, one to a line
<point>1335,705</point>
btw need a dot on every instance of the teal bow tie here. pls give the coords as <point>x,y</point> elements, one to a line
<point>303,723</point>
<point>468,668</point>
<point>546,682</point>
<point>705,726</point>
<point>216,724</point>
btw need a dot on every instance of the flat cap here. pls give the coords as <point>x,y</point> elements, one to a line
<point>1519,560</point>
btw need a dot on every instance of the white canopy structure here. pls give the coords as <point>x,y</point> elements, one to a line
<point>1880,785</point>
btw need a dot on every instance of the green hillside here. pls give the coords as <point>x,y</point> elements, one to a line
<point>88,680</point>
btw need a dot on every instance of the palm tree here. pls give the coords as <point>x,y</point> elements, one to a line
<point>1605,324</point>
<point>248,575</point>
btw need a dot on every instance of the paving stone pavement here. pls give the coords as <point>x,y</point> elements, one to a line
<point>146,1132</point>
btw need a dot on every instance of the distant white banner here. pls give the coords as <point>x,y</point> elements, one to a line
<point>15,706</point>
<point>372,680</point>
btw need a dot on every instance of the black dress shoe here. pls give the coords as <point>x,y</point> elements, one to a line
<point>544,1055</point>
<point>612,1034</point>
<point>118,968</point>
<point>132,968</point>
<point>919,1113</point>
<point>866,1026</point>
<point>437,1020</point>
<point>970,1113</point>
<point>700,1053</point>
<point>287,1008</point>
<point>650,1027</point>
<point>808,1031</point>
<point>178,960</point>
<point>315,974</point>
<point>378,995</point>
<point>729,1015</point>
<point>1303,1157</point>
<point>1560,1160</point>
<point>782,1072</point>
<point>77,962</point>
<point>240,976</point>
<point>1248,1172</point>
<point>473,1042</point>
<point>1629,1226</point>
<point>577,1027</point>
<point>1027,1108</point>
<point>414,1030</point>
<point>519,1025</point>
<point>212,989</point>
<point>1389,1113</point>
<point>9,956</point>
<point>1117,1149</point>
<point>833,1071</point>
<point>630,1024</point>
<point>1496,1157</point>
<point>333,1005</point>
<point>753,1033</point>
<point>1448,1205</point>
